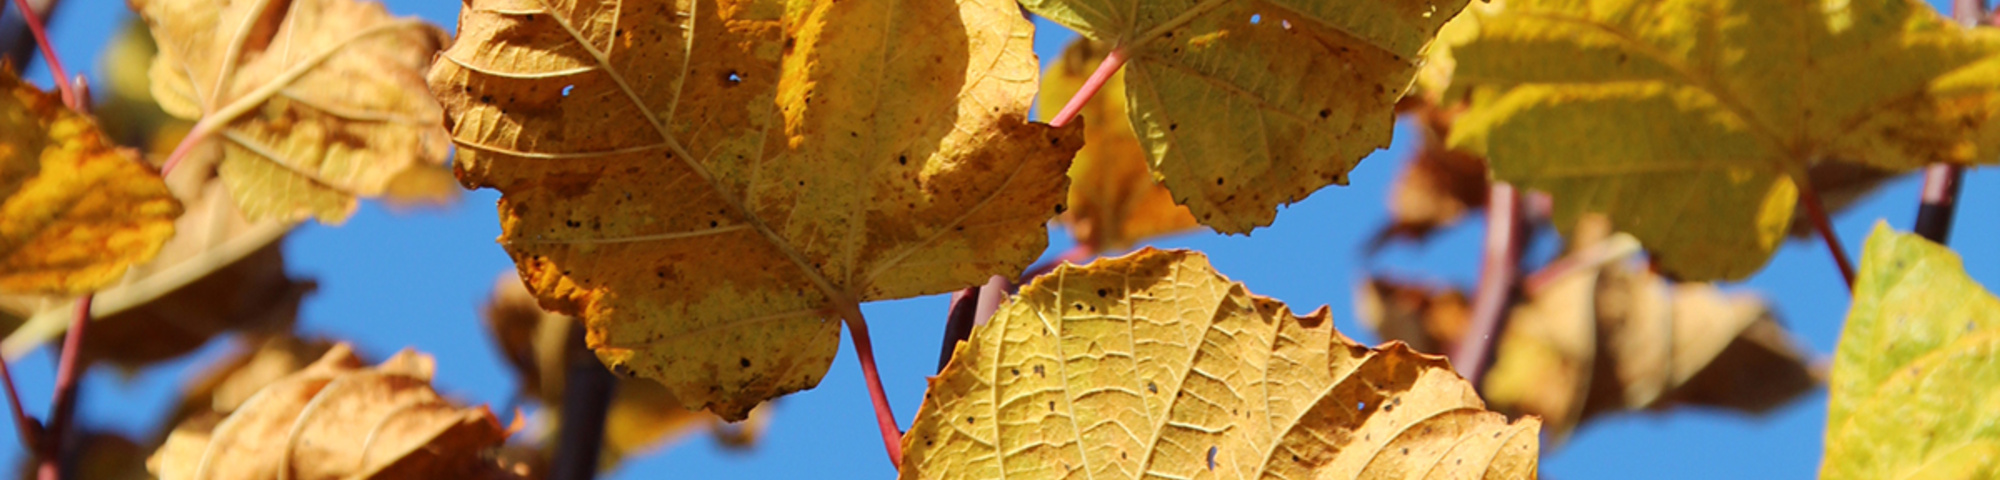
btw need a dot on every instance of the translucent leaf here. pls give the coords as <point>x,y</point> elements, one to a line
<point>1918,368</point>
<point>1153,365</point>
<point>1246,105</point>
<point>707,183</point>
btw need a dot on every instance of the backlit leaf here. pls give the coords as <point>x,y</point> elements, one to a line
<point>706,184</point>
<point>1113,199</point>
<point>219,273</point>
<point>324,100</point>
<point>75,212</point>
<point>1693,124</point>
<point>338,419</point>
<point>1245,105</point>
<point>1918,369</point>
<point>1153,365</point>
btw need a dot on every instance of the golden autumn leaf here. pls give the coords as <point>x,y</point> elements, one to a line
<point>709,184</point>
<point>1914,379</point>
<point>75,212</point>
<point>1154,365</point>
<point>1610,338</point>
<point>1245,105</point>
<point>1738,101</point>
<point>338,419</point>
<point>219,273</point>
<point>315,103</point>
<point>643,416</point>
<point>1114,201</point>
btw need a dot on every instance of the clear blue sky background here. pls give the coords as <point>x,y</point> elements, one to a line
<point>391,281</point>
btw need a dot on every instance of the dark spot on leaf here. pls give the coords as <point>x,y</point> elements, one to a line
<point>1038,371</point>
<point>1102,292</point>
<point>968,420</point>
<point>1060,208</point>
<point>903,159</point>
<point>1325,112</point>
<point>745,362</point>
<point>1151,388</point>
<point>1406,450</point>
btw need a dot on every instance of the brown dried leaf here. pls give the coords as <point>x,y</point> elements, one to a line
<point>320,101</point>
<point>338,419</point>
<point>1611,338</point>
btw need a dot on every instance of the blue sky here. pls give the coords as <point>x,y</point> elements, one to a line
<point>417,279</point>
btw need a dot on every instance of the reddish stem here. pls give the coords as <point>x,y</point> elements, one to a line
<point>28,427</point>
<point>1498,267</point>
<point>892,436</point>
<point>34,23</point>
<point>1816,211</point>
<point>1112,62</point>
<point>67,372</point>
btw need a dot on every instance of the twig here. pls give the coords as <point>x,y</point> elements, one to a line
<point>67,371</point>
<point>1498,267</point>
<point>970,308</point>
<point>1940,201</point>
<point>1112,62</point>
<point>34,23</point>
<point>1816,211</point>
<point>30,430</point>
<point>588,388</point>
<point>958,323</point>
<point>892,436</point>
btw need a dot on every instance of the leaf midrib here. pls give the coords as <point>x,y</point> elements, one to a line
<point>834,295</point>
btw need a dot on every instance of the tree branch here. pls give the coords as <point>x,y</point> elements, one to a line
<point>68,370</point>
<point>1499,266</point>
<point>588,388</point>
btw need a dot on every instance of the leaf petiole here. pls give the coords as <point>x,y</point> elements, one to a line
<point>62,81</point>
<point>892,437</point>
<point>1112,62</point>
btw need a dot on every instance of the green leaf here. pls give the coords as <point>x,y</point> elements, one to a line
<point>1243,105</point>
<point>1693,123</point>
<point>1916,381</point>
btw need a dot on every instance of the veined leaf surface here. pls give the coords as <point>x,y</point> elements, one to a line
<point>1153,365</point>
<point>707,183</point>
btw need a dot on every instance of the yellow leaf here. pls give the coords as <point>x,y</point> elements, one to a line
<point>1693,124</point>
<point>337,419</point>
<point>1114,201</point>
<point>316,102</point>
<point>75,212</point>
<point>1154,365</point>
<point>1244,105</point>
<point>707,186</point>
<point>1915,378</point>
<point>220,273</point>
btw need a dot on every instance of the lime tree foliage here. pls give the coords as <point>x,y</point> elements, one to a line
<point>700,195</point>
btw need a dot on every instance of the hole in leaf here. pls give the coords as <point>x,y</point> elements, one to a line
<point>567,88</point>
<point>1256,19</point>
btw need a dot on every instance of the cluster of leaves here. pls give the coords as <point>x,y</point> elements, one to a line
<point>702,194</point>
